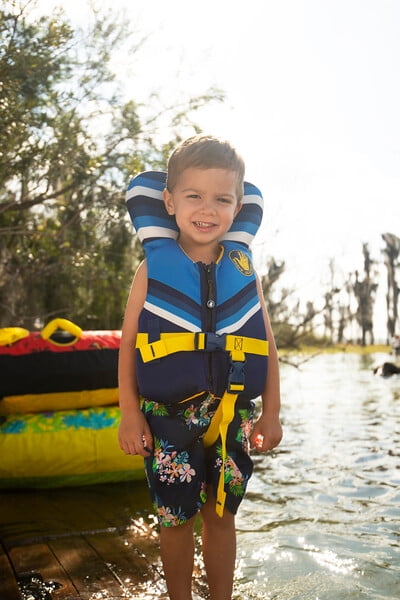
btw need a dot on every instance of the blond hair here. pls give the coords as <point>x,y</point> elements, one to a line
<point>205,152</point>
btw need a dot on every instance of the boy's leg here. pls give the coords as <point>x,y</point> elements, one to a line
<point>219,549</point>
<point>177,554</point>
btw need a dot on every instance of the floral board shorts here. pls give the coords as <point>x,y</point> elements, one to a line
<point>180,467</point>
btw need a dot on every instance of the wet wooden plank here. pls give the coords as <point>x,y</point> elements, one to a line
<point>28,515</point>
<point>86,539</point>
<point>111,564</point>
<point>132,562</point>
<point>112,505</point>
<point>85,508</point>
<point>38,558</point>
<point>8,585</point>
<point>87,570</point>
<point>33,515</point>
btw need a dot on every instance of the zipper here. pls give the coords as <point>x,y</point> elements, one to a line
<point>208,299</point>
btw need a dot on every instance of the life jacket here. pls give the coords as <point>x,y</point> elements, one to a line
<point>202,327</point>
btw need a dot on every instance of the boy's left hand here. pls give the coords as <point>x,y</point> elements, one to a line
<point>266,434</point>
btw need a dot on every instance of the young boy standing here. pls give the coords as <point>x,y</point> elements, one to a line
<point>204,350</point>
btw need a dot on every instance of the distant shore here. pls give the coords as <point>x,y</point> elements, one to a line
<point>335,348</point>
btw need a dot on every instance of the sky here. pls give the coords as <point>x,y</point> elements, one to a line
<point>312,103</point>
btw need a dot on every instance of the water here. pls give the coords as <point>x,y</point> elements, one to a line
<point>321,520</point>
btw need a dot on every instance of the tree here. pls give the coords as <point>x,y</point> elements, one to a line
<point>337,312</point>
<point>292,324</point>
<point>392,261</point>
<point>268,281</point>
<point>364,291</point>
<point>69,141</point>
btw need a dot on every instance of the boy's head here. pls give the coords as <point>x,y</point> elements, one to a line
<point>205,152</point>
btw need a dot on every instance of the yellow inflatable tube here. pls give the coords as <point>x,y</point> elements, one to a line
<point>64,448</point>
<point>27,403</point>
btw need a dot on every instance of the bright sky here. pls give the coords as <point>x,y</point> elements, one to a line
<point>313,97</point>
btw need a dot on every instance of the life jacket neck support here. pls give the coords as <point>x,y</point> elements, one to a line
<point>153,224</point>
<point>151,220</point>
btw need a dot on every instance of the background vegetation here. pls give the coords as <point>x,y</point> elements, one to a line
<point>69,143</point>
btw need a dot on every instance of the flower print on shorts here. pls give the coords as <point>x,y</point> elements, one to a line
<point>243,434</point>
<point>168,517</point>
<point>160,410</point>
<point>199,415</point>
<point>171,465</point>
<point>233,476</point>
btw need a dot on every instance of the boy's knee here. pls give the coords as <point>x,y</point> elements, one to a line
<point>177,530</point>
<point>210,517</point>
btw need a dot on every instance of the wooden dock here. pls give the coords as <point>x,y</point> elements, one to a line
<point>89,543</point>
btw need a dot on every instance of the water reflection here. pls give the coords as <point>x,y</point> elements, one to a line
<point>321,518</point>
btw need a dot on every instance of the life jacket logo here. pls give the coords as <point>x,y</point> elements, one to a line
<point>242,262</point>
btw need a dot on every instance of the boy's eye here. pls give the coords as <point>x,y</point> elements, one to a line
<point>225,200</point>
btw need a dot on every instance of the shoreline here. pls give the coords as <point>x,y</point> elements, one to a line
<point>336,348</point>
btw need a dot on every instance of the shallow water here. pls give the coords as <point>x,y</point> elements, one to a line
<point>321,519</point>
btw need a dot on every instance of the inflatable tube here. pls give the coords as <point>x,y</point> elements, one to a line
<point>9,335</point>
<point>27,403</point>
<point>64,448</point>
<point>60,367</point>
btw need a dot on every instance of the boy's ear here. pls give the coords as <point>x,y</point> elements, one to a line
<point>169,205</point>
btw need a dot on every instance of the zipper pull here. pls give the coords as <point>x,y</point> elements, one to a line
<point>210,300</point>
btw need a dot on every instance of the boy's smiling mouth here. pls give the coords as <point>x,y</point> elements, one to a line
<point>203,225</point>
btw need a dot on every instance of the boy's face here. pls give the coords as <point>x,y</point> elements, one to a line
<point>204,202</point>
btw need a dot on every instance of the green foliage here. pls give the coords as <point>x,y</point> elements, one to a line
<point>32,65</point>
<point>69,142</point>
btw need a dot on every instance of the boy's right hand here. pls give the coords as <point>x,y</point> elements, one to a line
<point>134,434</point>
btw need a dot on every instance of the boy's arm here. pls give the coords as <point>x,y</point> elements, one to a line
<point>134,433</point>
<point>267,431</point>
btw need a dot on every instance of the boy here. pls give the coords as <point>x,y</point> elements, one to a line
<point>194,425</point>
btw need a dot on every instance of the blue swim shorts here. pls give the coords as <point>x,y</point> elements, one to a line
<point>180,467</point>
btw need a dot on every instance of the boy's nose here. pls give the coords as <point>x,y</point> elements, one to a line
<point>207,205</point>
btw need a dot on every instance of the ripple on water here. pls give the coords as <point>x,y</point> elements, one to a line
<point>320,519</point>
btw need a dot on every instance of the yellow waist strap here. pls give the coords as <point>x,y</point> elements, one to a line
<point>170,343</point>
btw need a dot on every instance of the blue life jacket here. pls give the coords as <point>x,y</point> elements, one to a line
<point>202,327</point>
